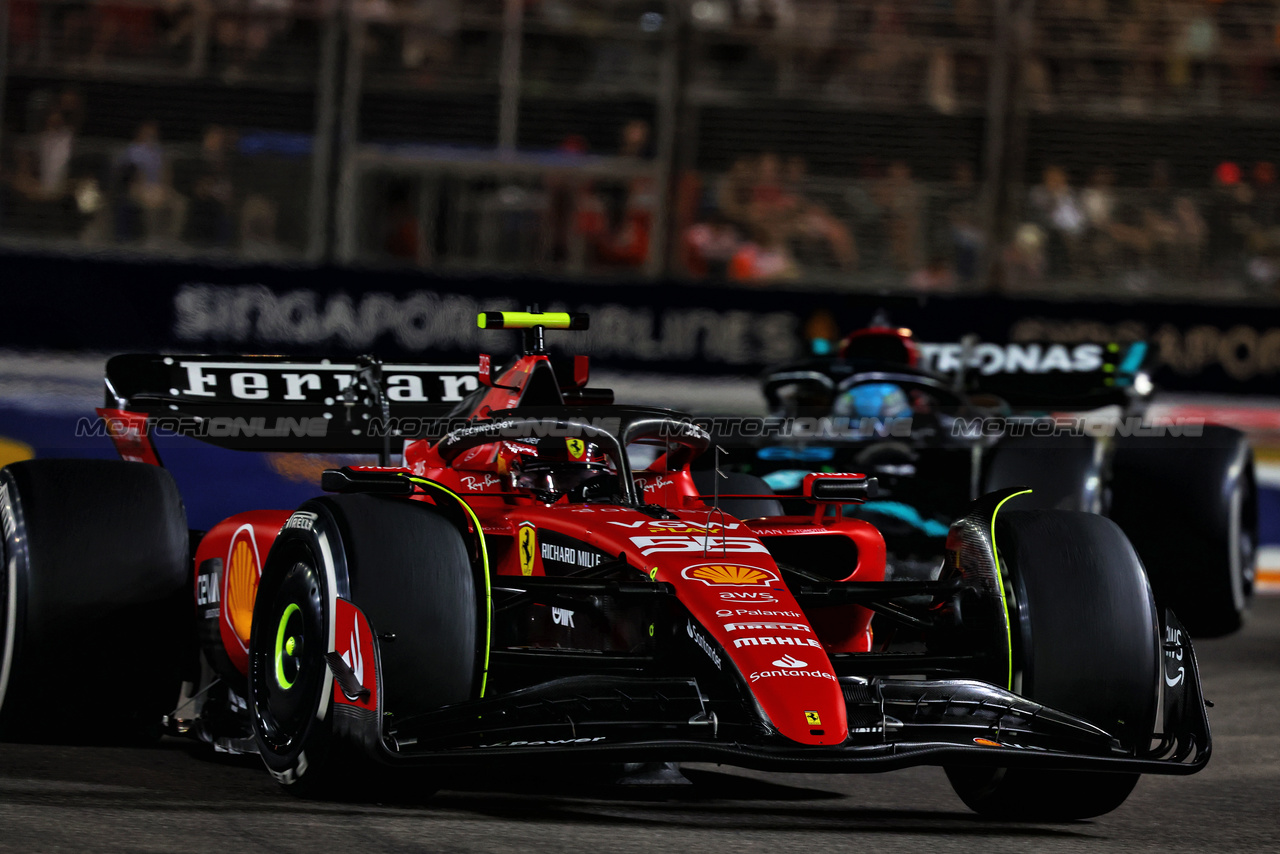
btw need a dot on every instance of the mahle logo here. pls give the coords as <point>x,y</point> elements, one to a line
<point>729,574</point>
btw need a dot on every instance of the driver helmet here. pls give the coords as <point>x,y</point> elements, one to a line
<point>554,466</point>
<point>874,400</point>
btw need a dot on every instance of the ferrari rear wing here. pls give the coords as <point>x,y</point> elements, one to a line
<point>276,403</point>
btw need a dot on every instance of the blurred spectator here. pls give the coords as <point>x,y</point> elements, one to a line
<point>41,180</point>
<point>401,239</point>
<point>146,155</point>
<point>811,224</point>
<point>936,275</point>
<point>1228,214</point>
<point>149,207</point>
<point>211,192</point>
<point>1117,230</point>
<point>622,238</point>
<point>734,190</point>
<point>1098,199</point>
<point>1024,259</point>
<point>878,69</point>
<point>243,34</point>
<point>769,200</point>
<point>764,260</point>
<point>54,148</point>
<point>1178,231</point>
<point>128,25</point>
<point>957,228</point>
<point>431,35</point>
<point>710,246</point>
<point>1195,43</point>
<point>1055,209</point>
<point>258,227</point>
<point>1267,196</point>
<point>903,203</point>
<point>1264,236</point>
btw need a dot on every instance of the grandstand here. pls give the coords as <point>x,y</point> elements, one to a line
<point>1063,148</point>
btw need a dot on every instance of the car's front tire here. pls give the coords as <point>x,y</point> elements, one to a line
<point>1086,641</point>
<point>407,568</point>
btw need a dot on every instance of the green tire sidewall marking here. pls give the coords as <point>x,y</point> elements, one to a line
<point>292,609</point>
<point>1004,602</point>
<point>484,560</point>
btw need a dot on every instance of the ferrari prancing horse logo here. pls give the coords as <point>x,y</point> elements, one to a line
<point>812,718</point>
<point>576,448</point>
<point>528,547</point>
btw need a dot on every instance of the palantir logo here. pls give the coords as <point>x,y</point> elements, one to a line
<point>790,662</point>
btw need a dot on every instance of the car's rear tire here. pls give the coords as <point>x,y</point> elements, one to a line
<point>1189,504</point>
<point>407,568</point>
<point>737,483</point>
<point>96,608</point>
<point>1085,641</point>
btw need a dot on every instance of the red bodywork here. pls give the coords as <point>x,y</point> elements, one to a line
<point>720,566</point>
<point>243,536</point>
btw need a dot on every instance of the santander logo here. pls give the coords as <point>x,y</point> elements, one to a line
<point>790,662</point>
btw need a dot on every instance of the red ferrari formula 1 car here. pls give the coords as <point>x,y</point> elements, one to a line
<point>516,590</point>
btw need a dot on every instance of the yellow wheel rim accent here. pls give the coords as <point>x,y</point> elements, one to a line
<point>281,680</point>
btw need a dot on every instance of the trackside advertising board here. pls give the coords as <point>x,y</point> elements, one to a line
<point>116,305</point>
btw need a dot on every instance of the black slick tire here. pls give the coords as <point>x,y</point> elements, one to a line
<point>1190,506</point>
<point>1063,472</point>
<point>1085,641</point>
<point>96,609</point>
<point>407,568</point>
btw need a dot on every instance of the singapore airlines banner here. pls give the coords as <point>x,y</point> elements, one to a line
<point>118,305</point>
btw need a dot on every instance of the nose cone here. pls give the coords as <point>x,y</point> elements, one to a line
<point>752,615</point>
<point>800,695</point>
<point>798,692</point>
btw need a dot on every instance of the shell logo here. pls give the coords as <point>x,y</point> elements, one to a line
<point>243,571</point>
<point>729,575</point>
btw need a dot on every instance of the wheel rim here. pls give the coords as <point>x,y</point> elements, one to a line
<point>1240,541</point>
<point>1248,567</point>
<point>289,666</point>
<point>289,644</point>
<point>8,617</point>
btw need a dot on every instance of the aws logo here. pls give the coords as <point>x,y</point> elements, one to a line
<point>729,575</point>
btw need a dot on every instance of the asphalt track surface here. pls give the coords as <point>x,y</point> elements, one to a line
<point>179,798</point>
